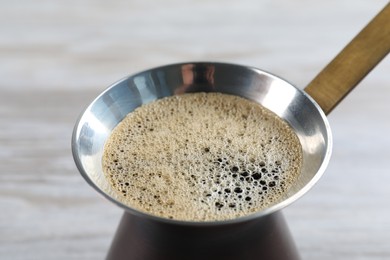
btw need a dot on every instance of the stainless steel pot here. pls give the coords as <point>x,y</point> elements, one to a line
<point>263,234</point>
<point>288,102</point>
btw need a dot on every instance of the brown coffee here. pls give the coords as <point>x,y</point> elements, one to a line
<point>202,157</point>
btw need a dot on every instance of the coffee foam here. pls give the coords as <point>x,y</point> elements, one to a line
<point>202,157</point>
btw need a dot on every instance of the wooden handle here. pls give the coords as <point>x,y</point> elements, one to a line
<point>353,63</point>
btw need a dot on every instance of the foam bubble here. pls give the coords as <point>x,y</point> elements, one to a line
<point>202,157</point>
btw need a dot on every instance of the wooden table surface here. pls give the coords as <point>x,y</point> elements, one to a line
<point>56,56</point>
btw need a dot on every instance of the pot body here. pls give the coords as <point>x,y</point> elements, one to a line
<point>267,237</point>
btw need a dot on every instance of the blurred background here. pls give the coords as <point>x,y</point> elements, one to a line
<point>57,56</point>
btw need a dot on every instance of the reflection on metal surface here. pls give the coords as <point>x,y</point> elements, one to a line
<point>278,98</point>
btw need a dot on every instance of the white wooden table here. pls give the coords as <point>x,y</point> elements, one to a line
<point>56,56</point>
